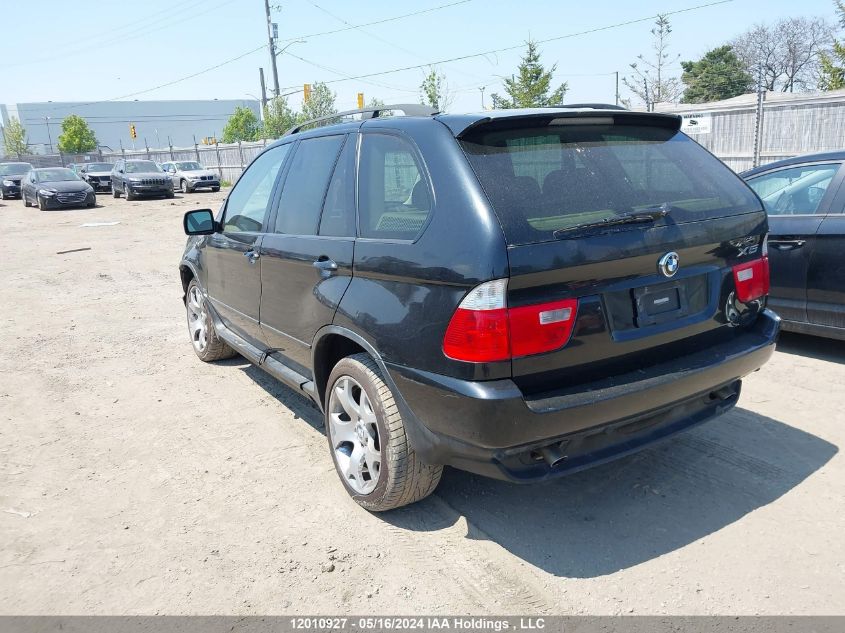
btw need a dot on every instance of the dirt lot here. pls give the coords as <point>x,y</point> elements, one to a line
<point>135,479</point>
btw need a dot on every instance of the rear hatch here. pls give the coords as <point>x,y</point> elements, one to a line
<point>629,216</point>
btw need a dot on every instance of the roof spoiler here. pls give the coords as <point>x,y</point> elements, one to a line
<point>409,109</point>
<point>619,116</point>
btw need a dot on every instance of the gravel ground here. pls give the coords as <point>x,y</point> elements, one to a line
<point>135,479</point>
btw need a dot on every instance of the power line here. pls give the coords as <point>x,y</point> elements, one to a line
<point>138,30</point>
<point>518,46</point>
<point>382,21</point>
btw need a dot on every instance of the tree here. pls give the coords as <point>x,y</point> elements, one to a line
<point>321,103</point>
<point>242,126</point>
<point>278,118</point>
<point>14,138</point>
<point>789,52</point>
<point>76,136</point>
<point>434,91</point>
<point>716,76</point>
<point>650,80</point>
<point>832,63</point>
<point>530,87</point>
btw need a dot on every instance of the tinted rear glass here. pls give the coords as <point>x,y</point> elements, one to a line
<point>540,179</point>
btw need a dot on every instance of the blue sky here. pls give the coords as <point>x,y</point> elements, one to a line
<point>130,46</point>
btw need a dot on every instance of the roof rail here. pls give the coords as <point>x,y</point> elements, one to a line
<point>592,106</point>
<point>410,109</point>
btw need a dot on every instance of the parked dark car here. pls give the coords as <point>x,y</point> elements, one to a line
<point>189,176</point>
<point>10,179</point>
<point>805,201</point>
<point>135,178</point>
<point>518,293</point>
<point>56,188</point>
<point>98,175</point>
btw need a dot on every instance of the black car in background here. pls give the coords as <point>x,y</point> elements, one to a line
<point>517,293</point>
<point>10,179</point>
<point>805,200</point>
<point>135,178</point>
<point>56,188</point>
<point>98,175</point>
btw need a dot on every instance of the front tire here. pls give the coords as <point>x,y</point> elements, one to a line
<point>42,204</point>
<point>184,186</point>
<point>215,189</point>
<point>25,201</point>
<point>207,345</point>
<point>369,445</point>
<point>114,192</point>
<point>129,194</point>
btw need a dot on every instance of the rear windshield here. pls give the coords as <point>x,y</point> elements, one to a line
<point>541,179</point>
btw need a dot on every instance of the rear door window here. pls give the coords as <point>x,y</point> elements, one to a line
<point>540,179</point>
<point>305,185</point>
<point>796,190</point>
<point>394,199</point>
<point>338,218</point>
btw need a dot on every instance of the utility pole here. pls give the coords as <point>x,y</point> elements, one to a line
<point>272,47</point>
<point>263,91</point>
<point>482,96</point>
<point>49,137</point>
<point>617,87</point>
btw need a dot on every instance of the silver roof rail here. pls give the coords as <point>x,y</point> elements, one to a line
<point>591,106</point>
<point>409,109</point>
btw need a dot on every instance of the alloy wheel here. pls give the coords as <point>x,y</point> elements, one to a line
<point>197,319</point>
<point>354,435</point>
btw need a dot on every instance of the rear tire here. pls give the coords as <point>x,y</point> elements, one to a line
<point>215,189</point>
<point>371,450</point>
<point>170,194</point>
<point>25,201</point>
<point>114,192</point>
<point>207,345</point>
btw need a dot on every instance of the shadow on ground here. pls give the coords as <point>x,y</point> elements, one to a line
<point>827,349</point>
<point>620,514</point>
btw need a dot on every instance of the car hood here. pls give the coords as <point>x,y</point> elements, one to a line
<point>98,173</point>
<point>65,186</point>
<point>198,172</point>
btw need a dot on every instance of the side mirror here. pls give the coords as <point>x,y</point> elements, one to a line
<point>199,222</point>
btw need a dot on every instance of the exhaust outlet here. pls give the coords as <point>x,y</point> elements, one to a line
<point>552,454</point>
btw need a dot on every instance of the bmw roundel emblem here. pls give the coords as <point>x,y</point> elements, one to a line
<point>669,264</point>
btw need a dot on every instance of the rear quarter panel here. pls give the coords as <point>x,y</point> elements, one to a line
<point>402,293</point>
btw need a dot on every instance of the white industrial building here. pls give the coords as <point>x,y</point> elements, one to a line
<point>157,123</point>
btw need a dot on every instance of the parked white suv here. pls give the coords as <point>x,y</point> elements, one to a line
<point>189,175</point>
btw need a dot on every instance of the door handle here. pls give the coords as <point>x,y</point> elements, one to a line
<point>786,244</point>
<point>252,256</point>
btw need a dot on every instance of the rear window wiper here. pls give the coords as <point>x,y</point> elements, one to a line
<point>642,216</point>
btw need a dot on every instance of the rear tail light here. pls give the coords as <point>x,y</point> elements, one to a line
<point>484,329</point>
<point>752,280</point>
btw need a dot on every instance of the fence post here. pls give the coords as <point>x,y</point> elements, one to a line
<point>217,151</point>
<point>100,153</point>
<point>147,145</point>
<point>122,151</point>
<point>241,152</point>
<point>170,143</point>
<point>61,158</point>
<point>196,149</point>
<point>264,142</point>
<point>758,118</point>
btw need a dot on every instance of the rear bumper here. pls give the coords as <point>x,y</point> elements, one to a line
<point>491,428</point>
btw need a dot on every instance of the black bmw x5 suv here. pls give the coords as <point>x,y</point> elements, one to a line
<point>520,293</point>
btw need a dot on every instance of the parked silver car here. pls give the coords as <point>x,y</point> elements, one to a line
<point>189,175</point>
